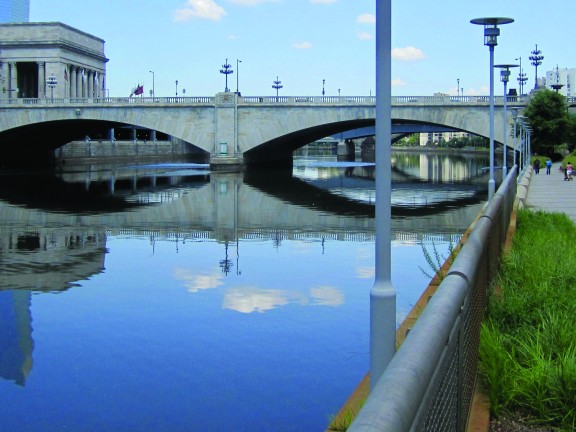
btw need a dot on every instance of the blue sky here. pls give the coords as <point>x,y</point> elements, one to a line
<point>303,42</point>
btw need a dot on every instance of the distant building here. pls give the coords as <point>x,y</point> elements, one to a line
<point>44,60</point>
<point>437,137</point>
<point>14,11</point>
<point>565,79</point>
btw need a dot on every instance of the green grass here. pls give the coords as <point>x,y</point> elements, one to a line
<point>528,340</point>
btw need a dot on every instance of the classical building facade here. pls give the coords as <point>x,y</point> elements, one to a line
<point>14,11</point>
<point>50,60</point>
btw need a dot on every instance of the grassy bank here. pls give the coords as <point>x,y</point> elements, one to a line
<point>528,340</point>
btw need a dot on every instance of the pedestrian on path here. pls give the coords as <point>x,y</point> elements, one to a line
<point>569,169</point>
<point>537,166</point>
<point>548,166</point>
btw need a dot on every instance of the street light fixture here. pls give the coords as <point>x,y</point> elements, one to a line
<point>237,76</point>
<point>277,86</point>
<point>323,81</point>
<point>176,88</point>
<point>226,71</point>
<point>153,88</point>
<point>514,111</point>
<point>505,77</point>
<point>491,33</point>
<point>52,82</point>
<point>557,86</point>
<point>458,86</point>
<point>536,59</point>
<point>522,78</point>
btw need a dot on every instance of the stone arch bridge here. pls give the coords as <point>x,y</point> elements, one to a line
<point>232,129</point>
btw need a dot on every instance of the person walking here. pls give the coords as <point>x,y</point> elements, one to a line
<point>537,166</point>
<point>569,169</point>
<point>548,166</point>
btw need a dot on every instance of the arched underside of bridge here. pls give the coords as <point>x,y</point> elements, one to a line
<point>279,151</point>
<point>35,143</point>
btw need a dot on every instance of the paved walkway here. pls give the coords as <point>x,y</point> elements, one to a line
<point>551,192</point>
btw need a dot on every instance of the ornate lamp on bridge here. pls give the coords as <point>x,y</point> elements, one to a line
<point>522,78</point>
<point>505,77</point>
<point>277,85</point>
<point>536,59</point>
<point>226,70</point>
<point>491,33</point>
<point>52,82</point>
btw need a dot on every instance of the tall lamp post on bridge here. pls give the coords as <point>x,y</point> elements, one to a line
<point>238,76</point>
<point>522,78</point>
<point>277,85</point>
<point>505,77</point>
<point>491,33</point>
<point>536,59</point>
<point>226,71</point>
<point>153,89</point>
<point>52,82</point>
<point>323,82</point>
<point>176,88</point>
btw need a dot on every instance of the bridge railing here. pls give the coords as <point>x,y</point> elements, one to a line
<point>260,100</point>
<point>429,383</point>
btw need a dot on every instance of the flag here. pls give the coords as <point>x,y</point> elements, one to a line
<point>65,75</point>
<point>139,90</point>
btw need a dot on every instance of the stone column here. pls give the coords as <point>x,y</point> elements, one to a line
<point>13,85</point>
<point>41,79</point>
<point>72,82</point>
<point>67,87</point>
<point>89,84</point>
<point>78,83</point>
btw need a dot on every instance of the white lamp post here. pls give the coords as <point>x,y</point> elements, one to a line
<point>491,33</point>
<point>505,77</point>
<point>383,295</point>
<point>153,89</point>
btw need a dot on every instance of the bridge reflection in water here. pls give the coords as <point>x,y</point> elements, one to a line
<point>64,232</point>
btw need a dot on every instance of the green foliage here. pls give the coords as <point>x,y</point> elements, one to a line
<point>548,116</point>
<point>528,340</point>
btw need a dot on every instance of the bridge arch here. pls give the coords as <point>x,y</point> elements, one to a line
<point>252,128</point>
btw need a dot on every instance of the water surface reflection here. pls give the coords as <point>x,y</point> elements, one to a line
<point>168,297</point>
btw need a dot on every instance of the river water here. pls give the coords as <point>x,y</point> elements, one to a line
<point>168,298</point>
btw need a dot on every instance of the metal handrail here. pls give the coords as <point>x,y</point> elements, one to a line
<point>428,385</point>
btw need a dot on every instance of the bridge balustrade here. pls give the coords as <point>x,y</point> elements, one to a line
<point>285,100</point>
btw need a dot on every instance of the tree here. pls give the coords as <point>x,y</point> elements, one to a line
<point>547,114</point>
<point>571,136</point>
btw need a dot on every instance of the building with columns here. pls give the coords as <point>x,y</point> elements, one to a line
<point>50,60</point>
<point>14,11</point>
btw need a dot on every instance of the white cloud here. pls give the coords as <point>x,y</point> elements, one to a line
<point>303,45</point>
<point>482,91</point>
<point>199,9</point>
<point>363,35</point>
<point>408,54</point>
<point>366,19</point>
<point>252,2</point>
<point>398,83</point>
